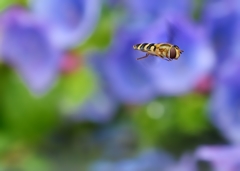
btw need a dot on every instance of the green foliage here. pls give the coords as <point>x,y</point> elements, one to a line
<point>75,88</point>
<point>36,163</point>
<point>24,115</point>
<point>190,114</point>
<point>6,3</point>
<point>171,117</point>
<point>101,38</point>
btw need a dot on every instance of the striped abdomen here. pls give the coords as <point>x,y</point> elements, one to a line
<point>145,47</point>
<point>160,49</point>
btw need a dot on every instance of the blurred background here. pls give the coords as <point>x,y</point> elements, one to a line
<point>73,97</point>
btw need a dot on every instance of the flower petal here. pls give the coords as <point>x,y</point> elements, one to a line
<point>225,100</point>
<point>71,21</point>
<point>26,47</point>
<point>197,60</point>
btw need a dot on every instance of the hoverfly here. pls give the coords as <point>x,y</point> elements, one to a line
<point>166,51</point>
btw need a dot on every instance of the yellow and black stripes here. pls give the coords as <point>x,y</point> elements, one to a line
<point>145,47</point>
<point>166,51</point>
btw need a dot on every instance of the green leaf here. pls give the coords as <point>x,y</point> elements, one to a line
<point>186,115</point>
<point>25,116</point>
<point>7,3</point>
<point>36,163</point>
<point>76,87</point>
<point>191,114</point>
<point>102,35</point>
<point>152,123</point>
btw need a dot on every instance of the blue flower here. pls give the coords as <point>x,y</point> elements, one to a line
<point>135,81</point>
<point>26,47</point>
<point>152,9</point>
<point>122,75</point>
<point>221,158</point>
<point>224,104</point>
<point>159,7</point>
<point>71,21</point>
<point>196,62</point>
<point>221,19</point>
<point>187,162</point>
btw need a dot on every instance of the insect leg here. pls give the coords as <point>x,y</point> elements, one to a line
<point>167,59</point>
<point>159,56</point>
<point>143,56</point>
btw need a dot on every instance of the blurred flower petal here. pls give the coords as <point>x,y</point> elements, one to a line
<point>221,20</point>
<point>152,9</point>
<point>139,81</point>
<point>225,100</point>
<point>26,47</point>
<point>222,158</point>
<point>122,74</point>
<point>71,21</point>
<point>186,163</point>
<point>154,160</point>
<point>156,7</point>
<point>197,60</point>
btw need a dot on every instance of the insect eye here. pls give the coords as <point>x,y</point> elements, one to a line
<point>172,53</point>
<point>175,46</point>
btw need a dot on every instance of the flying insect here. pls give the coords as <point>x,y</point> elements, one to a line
<point>166,51</point>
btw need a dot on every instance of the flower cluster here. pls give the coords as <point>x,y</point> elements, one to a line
<point>34,41</point>
<point>41,42</point>
<point>136,82</point>
<point>211,52</point>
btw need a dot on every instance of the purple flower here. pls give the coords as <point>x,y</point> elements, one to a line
<point>26,47</point>
<point>186,163</point>
<point>152,9</point>
<point>71,21</point>
<point>225,101</point>
<point>221,158</point>
<point>122,75</point>
<point>221,19</point>
<point>135,81</point>
<point>159,7</point>
<point>195,63</point>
